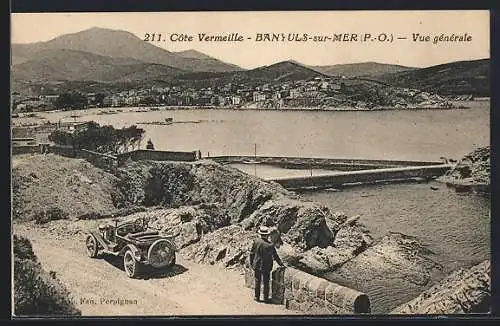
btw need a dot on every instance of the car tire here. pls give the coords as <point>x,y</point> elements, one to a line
<point>131,265</point>
<point>92,246</point>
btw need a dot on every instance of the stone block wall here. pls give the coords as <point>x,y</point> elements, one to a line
<point>304,292</point>
<point>100,160</point>
<point>25,149</point>
<point>158,156</point>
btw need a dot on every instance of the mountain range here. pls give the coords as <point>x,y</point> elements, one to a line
<point>113,56</point>
<point>117,43</point>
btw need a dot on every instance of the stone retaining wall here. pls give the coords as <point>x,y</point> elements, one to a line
<point>25,149</point>
<point>103,161</point>
<point>304,292</point>
<point>158,156</point>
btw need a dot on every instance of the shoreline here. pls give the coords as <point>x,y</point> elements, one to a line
<point>232,108</point>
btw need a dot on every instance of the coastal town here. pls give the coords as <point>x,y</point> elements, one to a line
<point>317,92</point>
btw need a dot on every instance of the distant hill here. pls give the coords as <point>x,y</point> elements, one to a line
<point>70,65</point>
<point>116,44</point>
<point>283,71</point>
<point>193,54</point>
<point>361,69</point>
<point>279,72</point>
<point>456,78</point>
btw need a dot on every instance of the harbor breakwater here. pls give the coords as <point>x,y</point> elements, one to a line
<point>344,171</point>
<point>339,179</point>
<point>342,164</point>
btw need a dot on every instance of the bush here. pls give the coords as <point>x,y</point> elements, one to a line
<point>37,292</point>
<point>51,214</point>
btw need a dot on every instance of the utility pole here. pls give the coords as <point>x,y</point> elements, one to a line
<point>255,159</point>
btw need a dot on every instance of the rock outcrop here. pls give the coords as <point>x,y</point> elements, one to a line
<point>395,256</point>
<point>473,171</point>
<point>228,246</point>
<point>464,291</point>
<point>303,224</point>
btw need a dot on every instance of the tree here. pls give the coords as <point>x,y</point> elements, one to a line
<point>103,139</point>
<point>99,99</point>
<point>71,101</point>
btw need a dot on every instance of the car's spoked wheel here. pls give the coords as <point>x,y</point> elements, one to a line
<point>91,244</point>
<point>130,265</point>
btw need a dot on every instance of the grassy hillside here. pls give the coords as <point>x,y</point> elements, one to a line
<point>456,78</point>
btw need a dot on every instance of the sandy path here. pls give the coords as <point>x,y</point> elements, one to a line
<point>187,289</point>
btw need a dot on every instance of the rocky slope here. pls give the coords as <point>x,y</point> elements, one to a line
<point>191,200</point>
<point>204,197</point>
<point>472,170</point>
<point>464,291</point>
<point>214,211</point>
<point>37,292</point>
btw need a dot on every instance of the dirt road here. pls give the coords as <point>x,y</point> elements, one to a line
<point>99,286</point>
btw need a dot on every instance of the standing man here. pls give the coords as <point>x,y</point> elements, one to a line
<point>262,255</point>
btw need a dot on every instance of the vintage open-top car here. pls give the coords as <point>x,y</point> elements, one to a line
<point>135,242</point>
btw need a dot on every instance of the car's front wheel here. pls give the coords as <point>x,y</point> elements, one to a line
<point>130,264</point>
<point>91,244</point>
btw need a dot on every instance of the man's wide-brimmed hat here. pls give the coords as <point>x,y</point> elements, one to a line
<point>264,230</point>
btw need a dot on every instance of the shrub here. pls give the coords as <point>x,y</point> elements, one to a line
<point>37,292</point>
<point>51,214</point>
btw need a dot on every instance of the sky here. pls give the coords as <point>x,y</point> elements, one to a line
<point>36,27</point>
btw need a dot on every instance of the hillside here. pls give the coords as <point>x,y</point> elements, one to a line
<point>193,54</point>
<point>456,78</point>
<point>284,71</point>
<point>116,44</point>
<point>37,292</point>
<point>63,64</point>
<point>360,69</point>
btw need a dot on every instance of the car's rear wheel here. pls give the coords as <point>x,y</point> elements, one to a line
<point>91,245</point>
<point>130,264</point>
<point>161,253</point>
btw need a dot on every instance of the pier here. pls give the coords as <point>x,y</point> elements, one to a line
<point>344,172</point>
<point>339,179</point>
